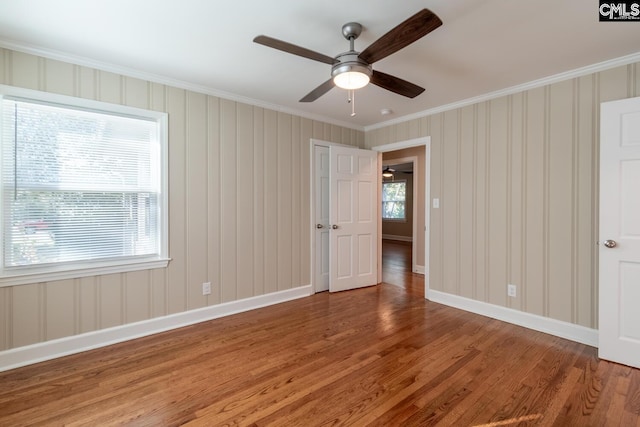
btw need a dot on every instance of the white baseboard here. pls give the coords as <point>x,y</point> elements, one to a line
<point>22,356</point>
<point>398,238</point>
<point>420,269</point>
<point>547,325</point>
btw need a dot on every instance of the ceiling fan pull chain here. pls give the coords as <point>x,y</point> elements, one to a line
<point>352,101</point>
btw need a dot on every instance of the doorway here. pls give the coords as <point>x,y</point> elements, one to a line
<point>399,207</point>
<point>417,151</point>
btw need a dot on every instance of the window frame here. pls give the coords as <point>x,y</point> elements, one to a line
<point>77,269</point>
<point>405,201</point>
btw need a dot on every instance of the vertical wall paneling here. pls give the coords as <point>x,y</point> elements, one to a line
<point>109,87</point>
<point>270,186</point>
<point>136,93</point>
<point>497,177</point>
<point>306,133</point>
<point>235,218</point>
<point>159,277</point>
<point>296,200</point>
<point>466,139</point>
<point>561,255</point>
<point>196,188</point>
<point>518,177</point>
<point>534,196</point>
<point>26,316</point>
<point>480,236</point>
<point>245,190</point>
<point>59,77</point>
<point>136,296</point>
<point>259,170</point>
<point>176,281</point>
<point>87,83</point>
<point>4,305</point>
<point>24,70</point>
<point>284,198</point>
<point>586,190</point>
<point>450,206</point>
<point>87,304</point>
<point>110,298</point>
<point>515,194</point>
<point>59,308</point>
<point>214,179</point>
<point>228,198</point>
<point>4,66</point>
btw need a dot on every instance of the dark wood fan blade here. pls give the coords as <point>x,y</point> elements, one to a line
<point>292,48</point>
<point>395,84</point>
<point>319,91</point>
<point>418,26</point>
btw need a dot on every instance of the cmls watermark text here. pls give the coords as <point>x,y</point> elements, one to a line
<point>619,11</point>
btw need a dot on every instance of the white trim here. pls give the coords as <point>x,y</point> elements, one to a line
<point>155,78</point>
<point>143,75</point>
<point>398,238</point>
<point>578,72</point>
<point>547,325</point>
<point>94,270</point>
<point>409,143</point>
<point>62,271</point>
<point>420,269</point>
<point>22,356</point>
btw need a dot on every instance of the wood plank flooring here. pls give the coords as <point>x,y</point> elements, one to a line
<point>380,356</point>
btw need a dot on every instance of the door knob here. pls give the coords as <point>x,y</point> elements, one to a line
<point>610,243</point>
<point>334,226</point>
<point>319,226</point>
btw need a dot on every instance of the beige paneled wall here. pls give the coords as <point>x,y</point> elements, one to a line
<point>517,179</point>
<point>238,207</point>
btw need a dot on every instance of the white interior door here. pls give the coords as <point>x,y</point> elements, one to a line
<point>619,281</point>
<point>353,214</point>
<point>321,217</point>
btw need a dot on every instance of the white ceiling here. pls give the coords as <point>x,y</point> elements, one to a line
<point>483,46</point>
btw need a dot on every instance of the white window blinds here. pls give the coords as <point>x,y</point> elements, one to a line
<point>78,185</point>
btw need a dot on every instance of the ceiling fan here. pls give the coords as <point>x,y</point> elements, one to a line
<point>352,70</point>
<point>388,172</point>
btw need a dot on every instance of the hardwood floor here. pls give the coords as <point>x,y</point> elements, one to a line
<point>380,356</point>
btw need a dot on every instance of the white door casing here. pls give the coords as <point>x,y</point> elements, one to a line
<point>321,217</point>
<point>619,239</point>
<point>354,218</point>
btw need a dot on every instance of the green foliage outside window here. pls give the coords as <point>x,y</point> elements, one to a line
<point>394,200</point>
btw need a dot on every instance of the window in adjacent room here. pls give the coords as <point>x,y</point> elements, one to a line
<point>394,200</point>
<point>83,188</point>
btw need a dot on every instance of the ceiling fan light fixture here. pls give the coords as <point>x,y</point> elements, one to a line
<point>351,73</point>
<point>351,80</point>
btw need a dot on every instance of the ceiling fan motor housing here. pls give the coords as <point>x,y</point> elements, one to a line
<point>349,61</point>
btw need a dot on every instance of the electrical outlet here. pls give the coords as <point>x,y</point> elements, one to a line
<point>206,288</point>
<point>512,290</point>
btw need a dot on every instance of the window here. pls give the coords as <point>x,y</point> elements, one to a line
<point>394,200</point>
<point>83,188</point>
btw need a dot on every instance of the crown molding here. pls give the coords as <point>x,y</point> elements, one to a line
<point>156,78</point>
<point>578,72</point>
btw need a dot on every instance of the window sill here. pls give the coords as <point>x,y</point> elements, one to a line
<point>24,277</point>
<point>394,220</point>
